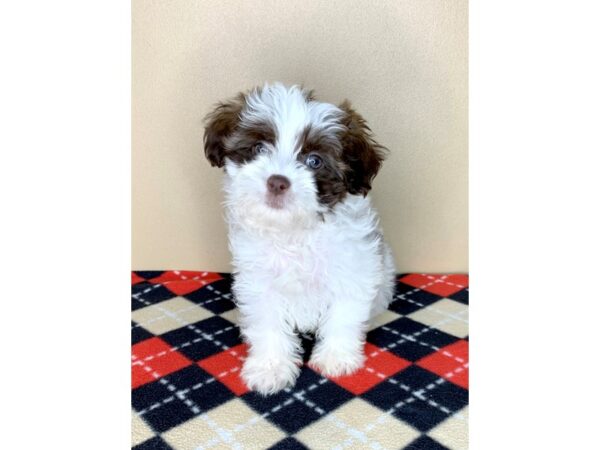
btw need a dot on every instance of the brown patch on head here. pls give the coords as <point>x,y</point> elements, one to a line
<point>219,125</point>
<point>240,145</point>
<point>330,177</point>
<point>360,151</point>
<point>351,158</point>
<point>226,137</point>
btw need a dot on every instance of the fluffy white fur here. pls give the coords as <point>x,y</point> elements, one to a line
<point>304,267</point>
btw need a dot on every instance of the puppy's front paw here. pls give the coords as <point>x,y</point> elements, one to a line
<point>336,361</point>
<point>267,376</point>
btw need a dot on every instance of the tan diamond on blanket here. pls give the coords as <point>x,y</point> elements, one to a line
<point>447,315</point>
<point>383,318</point>
<point>454,431</point>
<point>140,432</point>
<point>357,425</point>
<point>233,315</point>
<point>169,315</point>
<point>228,426</point>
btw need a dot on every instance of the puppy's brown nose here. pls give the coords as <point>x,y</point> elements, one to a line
<point>278,184</point>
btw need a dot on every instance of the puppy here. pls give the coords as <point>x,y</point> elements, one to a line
<point>308,253</point>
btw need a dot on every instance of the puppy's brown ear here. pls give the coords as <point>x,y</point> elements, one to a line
<point>359,151</point>
<point>219,125</point>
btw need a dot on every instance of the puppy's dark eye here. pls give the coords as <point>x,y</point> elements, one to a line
<point>314,161</point>
<point>259,149</point>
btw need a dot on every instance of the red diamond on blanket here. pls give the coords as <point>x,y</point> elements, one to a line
<point>379,365</point>
<point>443,285</point>
<point>182,282</point>
<point>153,359</point>
<point>226,366</point>
<point>135,278</point>
<point>450,362</point>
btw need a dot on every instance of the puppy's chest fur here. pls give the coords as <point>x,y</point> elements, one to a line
<point>301,273</point>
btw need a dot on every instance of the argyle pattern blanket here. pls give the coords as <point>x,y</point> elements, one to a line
<point>187,354</point>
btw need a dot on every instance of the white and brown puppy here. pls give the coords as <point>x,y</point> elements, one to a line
<point>307,249</point>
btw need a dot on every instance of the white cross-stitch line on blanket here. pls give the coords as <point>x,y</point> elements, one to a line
<point>431,308</point>
<point>191,327</point>
<point>220,296</point>
<point>354,434</point>
<point>188,343</point>
<point>442,279</point>
<point>296,396</point>
<point>182,278</point>
<point>418,394</point>
<point>430,386</point>
<point>164,316</point>
<point>224,435</point>
<point>186,391</point>
<point>411,338</point>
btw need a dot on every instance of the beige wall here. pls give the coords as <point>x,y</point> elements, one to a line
<point>403,64</point>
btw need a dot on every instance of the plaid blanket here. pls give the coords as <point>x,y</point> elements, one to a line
<point>187,355</point>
